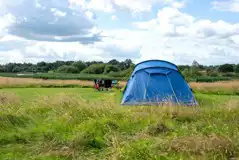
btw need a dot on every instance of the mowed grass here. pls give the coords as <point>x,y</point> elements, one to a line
<point>29,94</point>
<point>81,123</point>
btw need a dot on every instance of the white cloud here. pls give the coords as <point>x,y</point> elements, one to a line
<point>123,40</point>
<point>227,5</point>
<point>174,16</point>
<point>45,20</point>
<point>180,38</point>
<point>219,29</point>
<point>102,5</point>
<point>146,25</point>
<point>169,21</point>
<point>132,5</point>
<point>57,12</point>
<point>11,56</point>
<point>77,2</point>
<point>5,22</point>
<point>114,45</point>
<point>61,51</point>
<point>179,4</point>
<point>90,15</point>
<point>114,17</point>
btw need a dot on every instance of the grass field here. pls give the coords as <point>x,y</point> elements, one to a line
<point>6,82</point>
<point>80,123</point>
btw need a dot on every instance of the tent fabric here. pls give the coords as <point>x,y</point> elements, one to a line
<point>155,64</point>
<point>155,82</point>
<point>157,70</point>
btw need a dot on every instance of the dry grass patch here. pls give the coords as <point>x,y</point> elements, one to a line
<point>231,104</point>
<point>61,152</point>
<point>50,149</point>
<point>8,82</point>
<point>60,100</point>
<point>203,144</point>
<point>162,112</point>
<point>227,87</point>
<point>186,115</point>
<point>8,99</point>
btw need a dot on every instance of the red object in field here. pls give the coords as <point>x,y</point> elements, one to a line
<point>97,86</point>
<point>102,84</point>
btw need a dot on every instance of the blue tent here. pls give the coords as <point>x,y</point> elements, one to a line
<point>156,82</point>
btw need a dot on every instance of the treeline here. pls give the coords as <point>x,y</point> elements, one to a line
<point>113,68</point>
<point>201,73</point>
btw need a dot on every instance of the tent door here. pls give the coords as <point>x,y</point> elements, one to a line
<point>159,89</point>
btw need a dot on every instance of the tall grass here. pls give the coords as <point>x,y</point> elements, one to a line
<point>226,87</point>
<point>66,127</point>
<point>29,82</point>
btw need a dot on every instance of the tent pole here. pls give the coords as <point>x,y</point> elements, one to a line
<point>172,89</point>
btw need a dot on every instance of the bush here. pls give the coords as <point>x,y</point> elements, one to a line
<point>213,74</point>
<point>191,73</point>
<point>230,74</point>
<point>212,79</point>
<point>67,69</point>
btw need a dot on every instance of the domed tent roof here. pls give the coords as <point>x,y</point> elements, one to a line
<point>155,64</point>
<point>157,81</point>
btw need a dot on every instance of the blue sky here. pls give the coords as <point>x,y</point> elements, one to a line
<point>179,31</point>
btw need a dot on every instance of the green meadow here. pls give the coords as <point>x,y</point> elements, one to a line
<point>81,123</point>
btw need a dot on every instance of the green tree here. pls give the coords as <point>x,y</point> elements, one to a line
<point>80,65</point>
<point>114,62</point>
<point>186,73</point>
<point>195,72</point>
<point>111,68</point>
<point>42,67</point>
<point>2,68</point>
<point>183,67</point>
<point>124,73</point>
<point>93,62</point>
<point>191,73</point>
<point>126,64</point>
<point>32,68</point>
<point>225,68</point>
<point>9,67</point>
<point>16,69</point>
<point>212,72</point>
<point>67,69</point>
<point>237,68</point>
<point>57,64</point>
<point>94,69</point>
